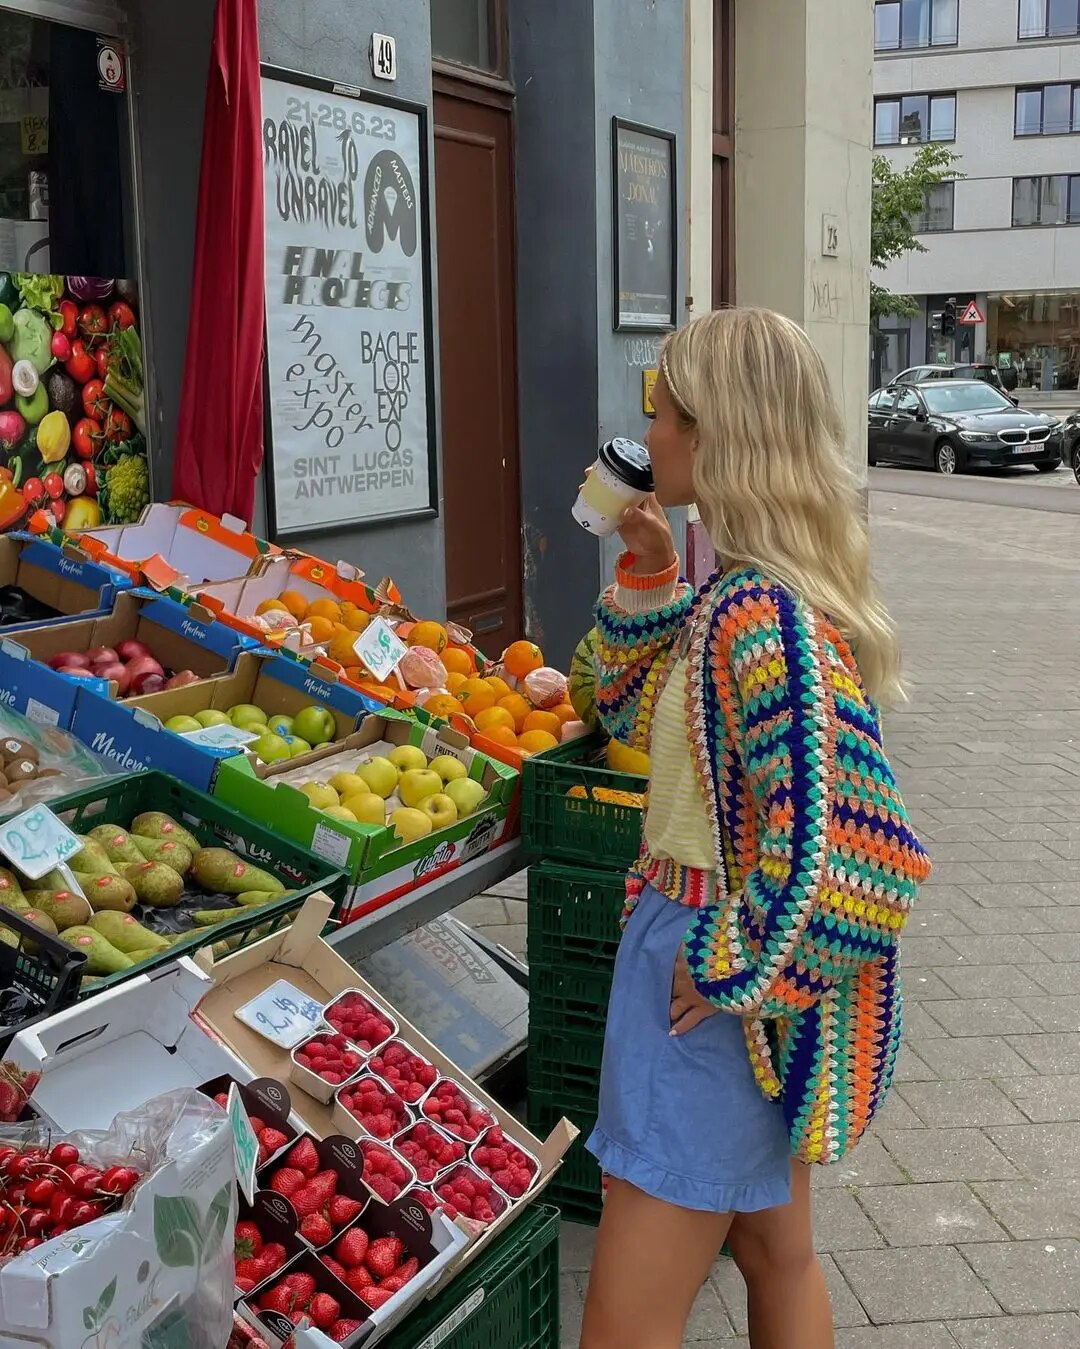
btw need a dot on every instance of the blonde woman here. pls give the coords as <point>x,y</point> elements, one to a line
<point>755,1011</point>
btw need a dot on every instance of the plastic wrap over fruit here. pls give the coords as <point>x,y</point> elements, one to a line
<point>573,730</point>
<point>545,687</point>
<point>422,669</point>
<point>273,620</point>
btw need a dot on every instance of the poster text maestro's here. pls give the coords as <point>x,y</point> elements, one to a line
<point>348,306</point>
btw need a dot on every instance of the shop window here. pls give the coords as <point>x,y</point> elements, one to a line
<point>467,32</point>
<point>1048,110</point>
<point>1034,339</point>
<point>937,215</point>
<point>65,162</point>
<point>914,118</point>
<point>900,25</point>
<point>1050,200</point>
<point>1048,18</point>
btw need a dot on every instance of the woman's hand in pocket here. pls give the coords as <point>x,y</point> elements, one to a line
<point>688,1007</point>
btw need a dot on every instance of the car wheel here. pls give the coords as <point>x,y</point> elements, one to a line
<point>1048,465</point>
<point>945,457</point>
<point>1076,460</point>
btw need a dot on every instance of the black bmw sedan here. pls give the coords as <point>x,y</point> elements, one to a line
<point>953,424</point>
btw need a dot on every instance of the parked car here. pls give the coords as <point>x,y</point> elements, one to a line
<point>955,424</point>
<point>1071,432</point>
<point>982,370</point>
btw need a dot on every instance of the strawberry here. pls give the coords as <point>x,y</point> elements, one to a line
<point>304,1157</point>
<point>257,1125</point>
<point>408,1270</point>
<point>352,1247</point>
<point>343,1210</point>
<point>375,1297</point>
<point>383,1256</point>
<point>280,1298</point>
<point>316,1229</point>
<point>252,1269</point>
<point>286,1180</point>
<point>324,1310</point>
<point>306,1201</point>
<point>273,1256</point>
<point>336,1269</point>
<point>273,1140</point>
<point>247,1241</point>
<point>245,1285</point>
<point>359,1279</point>
<point>222,1099</point>
<point>302,1285</point>
<point>341,1330</point>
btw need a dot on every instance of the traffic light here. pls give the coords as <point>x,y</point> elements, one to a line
<point>948,319</point>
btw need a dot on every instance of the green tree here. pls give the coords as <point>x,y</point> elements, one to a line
<point>898,201</point>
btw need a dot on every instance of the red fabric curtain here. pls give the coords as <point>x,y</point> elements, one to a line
<point>219,444</point>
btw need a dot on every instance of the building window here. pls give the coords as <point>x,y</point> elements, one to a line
<point>1051,200</point>
<point>937,216</point>
<point>903,24</point>
<point>1034,339</point>
<point>914,118</point>
<point>467,32</point>
<point>1049,18</point>
<point>1049,110</point>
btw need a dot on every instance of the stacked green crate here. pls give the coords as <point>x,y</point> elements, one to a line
<point>582,826</point>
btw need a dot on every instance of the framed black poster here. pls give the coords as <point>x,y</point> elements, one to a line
<point>644,236</point>
<point>349,372</point>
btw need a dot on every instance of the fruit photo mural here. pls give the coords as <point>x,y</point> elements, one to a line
<point>72,410</point>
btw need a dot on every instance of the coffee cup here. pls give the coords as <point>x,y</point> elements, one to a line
<point>621,477</point>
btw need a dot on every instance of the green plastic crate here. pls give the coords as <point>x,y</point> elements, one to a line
<point>508,1298</point>
<point>563,1060</point>
<point>577,1185</point>
<point>574,913</point>
<point>120,799</point>
<point>555,825</point>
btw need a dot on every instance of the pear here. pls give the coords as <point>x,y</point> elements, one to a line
<point>109,892</point>
<point>221,871</point>
<point>117,843</point>
<point>9,938</point>
<point>92,860</point>
<point>102,957</point>
<point>251,899</point>
<point>165,850</point>
<point>208,917</point>
<point>55,880</point>
<point>13,903</point>
<point>126,933</point>
<point>137,957</point>
<point>39,919</point>
<point>10,887</point>
<point>155,884</point>
<point>156,824</point>
<point>64,907</point>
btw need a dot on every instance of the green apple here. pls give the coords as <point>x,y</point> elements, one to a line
<point>440,810</point>
<point>269,747</point>
<point>467,795</point>
<point>320,794</point>
<point>280,724</point>
<point>410,824</point>
<point>296,746</point>
<point>407,757</point>
<point>243,714</point>
<point>366,806</point>
<point>182,725</point>
<point>210,717</point>
<point>340,813</point>
<point>316,725</point>
<point>379,776</point>
<point>448,768</point>
<point>255,728</point>
<point>417,784</point>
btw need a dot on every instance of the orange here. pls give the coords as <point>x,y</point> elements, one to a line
<point>443,705</point>
<point>294,602</point>
<point>321,629</point>
<point>518,707</point>
<point>542,721</point>
<point>475,685</point>
<point>499,687</point>
<point>264,606</point>
<point>478,702</point>
<point>341,646</point>
<point>431,635</point>
<point>535,742</point>
<point>354,619</point>
<point>458,661</point>
<point>329,609</point>
<point>502,735</point>
<point>455,681</point>
<point>356,673</point>
<point>492,717</point>
<point>522,658</point>
<point>565,712</point>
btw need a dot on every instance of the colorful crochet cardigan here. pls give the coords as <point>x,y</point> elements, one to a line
<point>817,862</point>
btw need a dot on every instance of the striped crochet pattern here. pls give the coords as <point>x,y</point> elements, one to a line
<point>818,866</point>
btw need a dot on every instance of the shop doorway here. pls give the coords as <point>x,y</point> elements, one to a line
<point>481,472</point>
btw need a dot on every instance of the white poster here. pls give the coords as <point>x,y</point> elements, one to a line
<point>346,306</point>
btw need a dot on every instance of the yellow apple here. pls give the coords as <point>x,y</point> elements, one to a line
<point>467,795</point>
<point>320,794</point>
<point>346,784</point>
<point>410,824</point>
<point>417,784</point>
<point>407,757</point>
<point>379,775</point>
<point>366,806</point>
<point>448,768</point>
<point>440,810</point>
<point>341,813</point>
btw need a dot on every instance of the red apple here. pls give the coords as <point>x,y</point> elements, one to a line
<point>76,670</point>
<point>75,659</point>
<point>149,683</point>
<point>102,655</point>
<point>181,678</point>
<point>115,673</point>
<point>132,649</point>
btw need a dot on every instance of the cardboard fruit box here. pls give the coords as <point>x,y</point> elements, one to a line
<point>179,638</point>
<point>133,735</point>
<point>379,866</point>
<point>60,578</point>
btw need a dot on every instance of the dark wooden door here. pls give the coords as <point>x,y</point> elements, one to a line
<point>481,477</point>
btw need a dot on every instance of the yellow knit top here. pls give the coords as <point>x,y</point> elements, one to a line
<point>676,823</point>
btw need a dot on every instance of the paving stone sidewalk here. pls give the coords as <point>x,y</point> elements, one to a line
<point>956,1224</point>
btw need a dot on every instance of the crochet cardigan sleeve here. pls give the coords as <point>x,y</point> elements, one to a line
<point>638,621</point>
<point>800,921</point>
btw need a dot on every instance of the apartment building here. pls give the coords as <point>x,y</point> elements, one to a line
<point>998,82</point>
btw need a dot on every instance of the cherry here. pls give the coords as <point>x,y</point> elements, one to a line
<point>37,1222</point>
<point>40,1192</point>
<point>84,1212</point>
<point>64,1154</point>
<point>60,1206</point>
<point>119,1179</point>
<point>89,1184</point>
<point>21,1167</point>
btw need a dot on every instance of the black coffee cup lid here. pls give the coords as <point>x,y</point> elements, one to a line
<point>629,461</point>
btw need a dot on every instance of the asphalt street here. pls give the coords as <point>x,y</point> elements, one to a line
<point>1018,488</point>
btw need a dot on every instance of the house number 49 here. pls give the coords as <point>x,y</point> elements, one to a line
<point>383,56</point>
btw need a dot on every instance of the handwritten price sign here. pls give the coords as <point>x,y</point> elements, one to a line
<point>282,1014</point>
<point>380,648</point>
<point>37,842</point>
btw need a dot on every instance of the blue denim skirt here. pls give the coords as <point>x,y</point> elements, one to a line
<point>682,1117</point>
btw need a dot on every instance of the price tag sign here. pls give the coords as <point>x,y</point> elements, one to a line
<point>37,842</point>
<point>380,648</point>
<point>220,737</point>
<point>245,1144</point>
<point>282,1014</point>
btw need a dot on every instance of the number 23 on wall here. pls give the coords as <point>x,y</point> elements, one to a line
<point>383,56</point>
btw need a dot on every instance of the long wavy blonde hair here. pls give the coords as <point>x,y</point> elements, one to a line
<point>773,485</point>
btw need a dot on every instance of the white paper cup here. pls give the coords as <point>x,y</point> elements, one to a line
<point>602,500</point>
